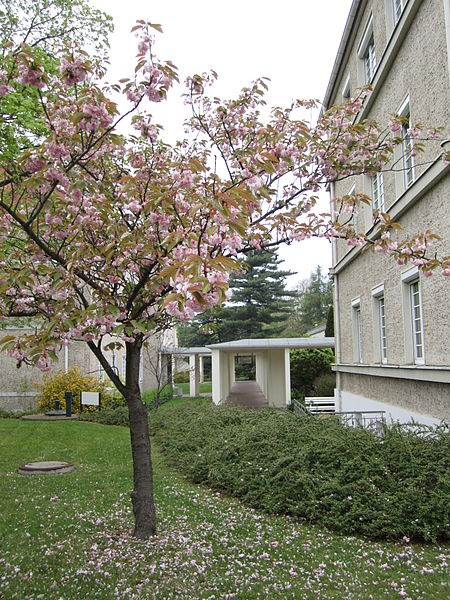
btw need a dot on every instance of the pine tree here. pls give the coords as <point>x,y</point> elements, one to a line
<point>259,307</point>
<point>329,329</point>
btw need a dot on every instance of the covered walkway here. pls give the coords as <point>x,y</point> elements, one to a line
<point>272,359</point>
<point>273,376</point>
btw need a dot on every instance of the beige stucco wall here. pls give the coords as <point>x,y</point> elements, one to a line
<point>25,378</point>
<point>370,270</point>
<point>427,398</point>
<point>419,69</point>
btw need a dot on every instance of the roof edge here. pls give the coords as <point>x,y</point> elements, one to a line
<point>341,51</point>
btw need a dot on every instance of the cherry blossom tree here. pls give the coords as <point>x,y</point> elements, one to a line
<point>111,237</point>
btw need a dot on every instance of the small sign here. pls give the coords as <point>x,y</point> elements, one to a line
<point>89,399</point>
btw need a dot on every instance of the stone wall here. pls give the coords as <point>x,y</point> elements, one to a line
<point>18,401</point>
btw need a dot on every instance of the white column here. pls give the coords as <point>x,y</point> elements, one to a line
<point>262,372</point>
<point>221,375</point>
<point>216,375</point>
<point>287,375</point>
<point>202,378</point>
<point>194,379</point>
<point>231,369</point>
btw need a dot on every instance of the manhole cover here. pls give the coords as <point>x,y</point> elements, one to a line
<point>50,467</point>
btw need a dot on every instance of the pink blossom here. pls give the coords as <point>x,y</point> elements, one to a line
<point>413,132</point>
<point>73,71</point>
<point>16,353</point>
<point>43,363</point>
<point>54,176</point>
<point>30,75</point>
<point>34,164</point>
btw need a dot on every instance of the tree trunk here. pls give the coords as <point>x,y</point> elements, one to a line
<point>142,494</point>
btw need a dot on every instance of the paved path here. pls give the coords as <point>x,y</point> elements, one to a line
<point>44,417</point>
<point>247,394</point>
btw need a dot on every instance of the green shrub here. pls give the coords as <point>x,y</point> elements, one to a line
<point>324,385</point>
<point>150,397</point>
<point>108,416</point>
<point>315,469</point>
<point>9,414</point>
<point>181,377</point>
<point>306,366</point>
<point>55,384</point>
<point>113,400</point>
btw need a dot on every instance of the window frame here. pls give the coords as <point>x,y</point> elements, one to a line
<point>346,94</point>
<point>398,7</point>
<point>413,324</point>
<point>357,331</point>
<point>416,321</point>
<point>407,145</point>
<point>379,324</point>
<point>377,187</point>
<point>366,53</point>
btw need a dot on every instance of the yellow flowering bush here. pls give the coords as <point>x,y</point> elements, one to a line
<point>55,384</point>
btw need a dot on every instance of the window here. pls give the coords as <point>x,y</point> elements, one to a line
<point>416,321</point>
<point>370,61</point>
<point>346,90</point>
<point>357,331</point>
<point>379,325</point>
<point>403,153</point>
<point>382,325</point>
<point>377,192</point>
<point>398,6</point>
<point>407,147</point>
<point>354,209</point>
<point>413,319</point>
<point>366,54</point>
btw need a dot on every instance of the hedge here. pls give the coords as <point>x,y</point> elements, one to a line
<point>315,469</point>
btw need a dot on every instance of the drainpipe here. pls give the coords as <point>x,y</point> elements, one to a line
<point>66,358</point>
<point>447,29</point>
<point>337,339</point>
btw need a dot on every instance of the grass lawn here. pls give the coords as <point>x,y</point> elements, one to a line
<point>205,388</point>
<point>68,536</point>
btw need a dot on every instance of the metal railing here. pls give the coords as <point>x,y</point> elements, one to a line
<point>374,419</point>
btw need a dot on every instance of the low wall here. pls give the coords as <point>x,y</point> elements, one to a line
<point>18,401</point>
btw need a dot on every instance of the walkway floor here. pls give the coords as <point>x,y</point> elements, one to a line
<point>247,394</point>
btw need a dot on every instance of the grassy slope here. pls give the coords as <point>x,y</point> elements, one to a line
<point>204,388</point>
<point>69,535</point>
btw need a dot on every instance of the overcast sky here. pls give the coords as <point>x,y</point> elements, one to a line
<point>293,42</point>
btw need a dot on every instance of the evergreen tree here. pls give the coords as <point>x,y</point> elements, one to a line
<point>329,329</point>
<point>202,331</point>
<point>259,307</point>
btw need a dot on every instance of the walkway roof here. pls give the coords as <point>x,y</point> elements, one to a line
<point>185,351</point>
<point>268,343</point>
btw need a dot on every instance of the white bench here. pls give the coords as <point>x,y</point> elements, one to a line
<point>320,404</point>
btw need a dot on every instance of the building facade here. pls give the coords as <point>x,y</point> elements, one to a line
<point>18,389</point>
<point>392,324</point>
